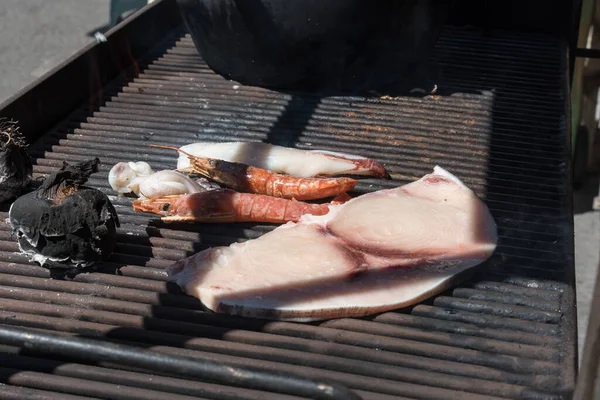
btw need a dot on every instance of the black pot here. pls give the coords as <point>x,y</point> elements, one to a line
<point>316,44</point>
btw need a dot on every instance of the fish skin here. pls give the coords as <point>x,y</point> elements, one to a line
<point>377,252</point>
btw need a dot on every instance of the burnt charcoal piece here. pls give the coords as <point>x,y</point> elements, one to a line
<point>15,165</point>
<point>64,224</point>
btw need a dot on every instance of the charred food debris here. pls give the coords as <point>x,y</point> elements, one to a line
<point>15,164</point>
<point>64,224</point>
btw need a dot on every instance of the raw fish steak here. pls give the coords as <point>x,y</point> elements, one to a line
<point>377,252</point>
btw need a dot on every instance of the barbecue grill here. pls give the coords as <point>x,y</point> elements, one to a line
<point>499,122</point>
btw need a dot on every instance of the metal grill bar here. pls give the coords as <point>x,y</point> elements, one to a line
<point>498,123</point>
<point>90,350</point>
<point>138,380</point>
<point>18,393</point>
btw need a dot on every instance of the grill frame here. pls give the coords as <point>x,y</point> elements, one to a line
<point>83,75</point>
<point>91,61</point>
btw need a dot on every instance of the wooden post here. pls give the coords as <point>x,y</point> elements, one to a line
<point>587,388</point>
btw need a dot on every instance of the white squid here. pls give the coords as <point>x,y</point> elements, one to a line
<point>146,184</point>
<point>121,174</point>
<point>284,160</point>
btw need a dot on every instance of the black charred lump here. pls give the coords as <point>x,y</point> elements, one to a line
<point>15,165</point>
<point>64,224</point>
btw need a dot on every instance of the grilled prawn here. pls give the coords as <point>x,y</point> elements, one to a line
<point>248,179</point>
<point>226,205</point>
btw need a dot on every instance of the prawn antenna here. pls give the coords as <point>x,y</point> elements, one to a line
<point>172,148</point>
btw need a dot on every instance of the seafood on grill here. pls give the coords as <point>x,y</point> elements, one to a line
<point>15,164</point>
<point>140,179</point>
<point>377,252</point>
<point>284,160</point>
<point>64,224</point>
<point>122,173</point>
<point>226,205</point>
<point>248,179</point>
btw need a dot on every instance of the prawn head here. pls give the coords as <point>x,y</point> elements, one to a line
<point>227,173</point>
<point>211,206</point>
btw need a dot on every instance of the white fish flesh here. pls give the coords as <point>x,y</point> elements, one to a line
<point>377,252</point>
<point>284,160</point>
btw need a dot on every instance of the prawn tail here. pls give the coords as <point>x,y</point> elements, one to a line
<point>341,198</point>
<point>346,185</point>
<point>295,210</point>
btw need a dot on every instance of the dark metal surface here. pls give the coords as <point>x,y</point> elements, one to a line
<point>588,380</point>
<point>587,53</point>
<point>498,123</point>
<point>128,356</point>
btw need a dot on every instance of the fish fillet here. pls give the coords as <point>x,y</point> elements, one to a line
<point>375,253</point>
<point>284,160</point>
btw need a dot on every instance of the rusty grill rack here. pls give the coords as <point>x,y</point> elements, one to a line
<point>499,123</point>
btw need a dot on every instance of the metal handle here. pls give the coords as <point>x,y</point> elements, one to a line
<point>587,53</point>
<point>586,382</point>
<point>97,351</point>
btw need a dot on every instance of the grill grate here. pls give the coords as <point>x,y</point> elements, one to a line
<point>499,124</point>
